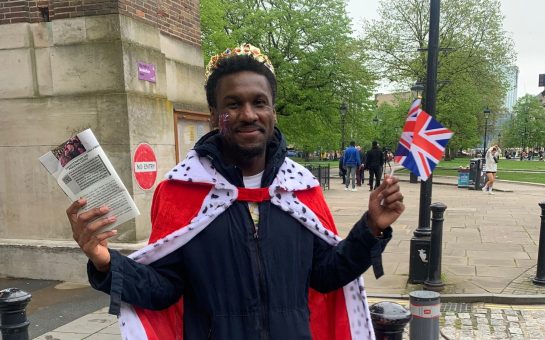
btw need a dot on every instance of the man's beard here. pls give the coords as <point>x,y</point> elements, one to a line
<point>245,154</point>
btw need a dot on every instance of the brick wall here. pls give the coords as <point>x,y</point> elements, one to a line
<point>177,18</point>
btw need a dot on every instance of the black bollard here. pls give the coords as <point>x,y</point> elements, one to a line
<point>389,320</point>
<point>13,321</point>
<point>540,273</point>
<point>434,269</point>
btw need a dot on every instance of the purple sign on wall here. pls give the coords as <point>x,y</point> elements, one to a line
<point>146,72</point>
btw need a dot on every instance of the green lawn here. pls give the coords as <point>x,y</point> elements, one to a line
<point>504,164</point>
<point>508,169</point>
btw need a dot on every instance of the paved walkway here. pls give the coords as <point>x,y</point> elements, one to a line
<point>490,246</point>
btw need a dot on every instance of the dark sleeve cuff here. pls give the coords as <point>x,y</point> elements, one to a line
<point>110,282</point>
<point>376,244</point>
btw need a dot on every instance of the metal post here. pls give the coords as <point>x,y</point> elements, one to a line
<point>525,133</point>
<point>434,270</point>
<point>423,231</point>
<point>320,176</point>
<point>13,321</point>
<point>485,137</point>
<point>344,119</point>
<point>425,311</point>
<point>430,107</point>
<point>343,109</point>
<point>389,320</point>
<point>328,174</point>
<point>540,273</point>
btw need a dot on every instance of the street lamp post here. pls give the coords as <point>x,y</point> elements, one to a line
<point>421,239</point>
<point>430,107</point>
<point>343,109</point>
<point>525,133</point>
<point>416,90</point>
<point>375,122</point>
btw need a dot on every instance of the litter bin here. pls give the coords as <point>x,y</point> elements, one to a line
<point>475,173</point>
<point>463,177</point>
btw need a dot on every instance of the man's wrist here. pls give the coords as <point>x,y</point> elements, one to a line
<point>102,268</point>
<point>373,228</point>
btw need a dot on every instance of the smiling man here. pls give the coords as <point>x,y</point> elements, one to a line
<point>243,245</point>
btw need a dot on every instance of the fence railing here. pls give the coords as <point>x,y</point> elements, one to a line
<point>322,174</point>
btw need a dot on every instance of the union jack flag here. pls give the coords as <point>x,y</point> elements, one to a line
<point>427,142</point>
<point>404,146</point>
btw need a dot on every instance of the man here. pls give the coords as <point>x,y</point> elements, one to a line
<point>351,162</point>
<point>374,161</point>
<point>342,169</point>
<point>388,157</point>
<point>243,245</point>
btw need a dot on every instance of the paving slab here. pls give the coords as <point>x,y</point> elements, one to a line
<point>487,239</point>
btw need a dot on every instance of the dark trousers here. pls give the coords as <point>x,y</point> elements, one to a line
<point>360,176</point>
<point>375,173</point>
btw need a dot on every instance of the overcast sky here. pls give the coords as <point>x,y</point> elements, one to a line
<point>523,18</point>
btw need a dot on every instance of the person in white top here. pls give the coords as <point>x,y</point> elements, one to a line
<point>491,167</point>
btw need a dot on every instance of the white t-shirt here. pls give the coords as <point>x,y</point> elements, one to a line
<point>253,182</point>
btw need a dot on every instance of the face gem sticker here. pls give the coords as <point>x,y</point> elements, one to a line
<point>224,123</point>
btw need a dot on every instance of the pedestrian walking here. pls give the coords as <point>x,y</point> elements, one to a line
<point>351,162</point>
<point>388,158</point>
<point>360,173</point>
<point>374,162</point>
<point>491,168</point>
<point>242,245</point>
<point>342,169</point>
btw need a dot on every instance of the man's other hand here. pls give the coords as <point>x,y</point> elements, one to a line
<point>85,227</point>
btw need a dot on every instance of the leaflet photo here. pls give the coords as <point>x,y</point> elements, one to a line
<point>68,150</point>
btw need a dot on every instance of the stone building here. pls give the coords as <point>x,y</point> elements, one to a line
<point>391,98</point>
<point>72,65</point>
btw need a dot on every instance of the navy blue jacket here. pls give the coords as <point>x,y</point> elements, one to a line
<point>236,286</point>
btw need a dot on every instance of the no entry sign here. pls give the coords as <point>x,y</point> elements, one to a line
<point>144,166</point>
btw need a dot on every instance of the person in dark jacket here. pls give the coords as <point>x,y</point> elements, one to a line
<point>234,232</point>
<point>374,161</point>
<point>342,169</point>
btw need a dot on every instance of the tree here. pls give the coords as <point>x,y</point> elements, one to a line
<point>526,128</point>
<point>317,63</point>
<point>475,54</point>
<point>390,120</point>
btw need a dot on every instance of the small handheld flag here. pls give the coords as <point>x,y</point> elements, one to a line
<point>421,150</point>
<point>406,139</point>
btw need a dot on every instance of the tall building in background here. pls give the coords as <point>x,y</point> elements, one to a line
<point>512,75</point>
<point>130,70</point>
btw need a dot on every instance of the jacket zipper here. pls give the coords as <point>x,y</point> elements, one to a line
<point>209,337</point>
<point>264,335</point>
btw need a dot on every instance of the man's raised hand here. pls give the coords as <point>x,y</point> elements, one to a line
<point>385,205</point>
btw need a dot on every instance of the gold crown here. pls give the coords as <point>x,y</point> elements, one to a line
<point>244,49</point>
